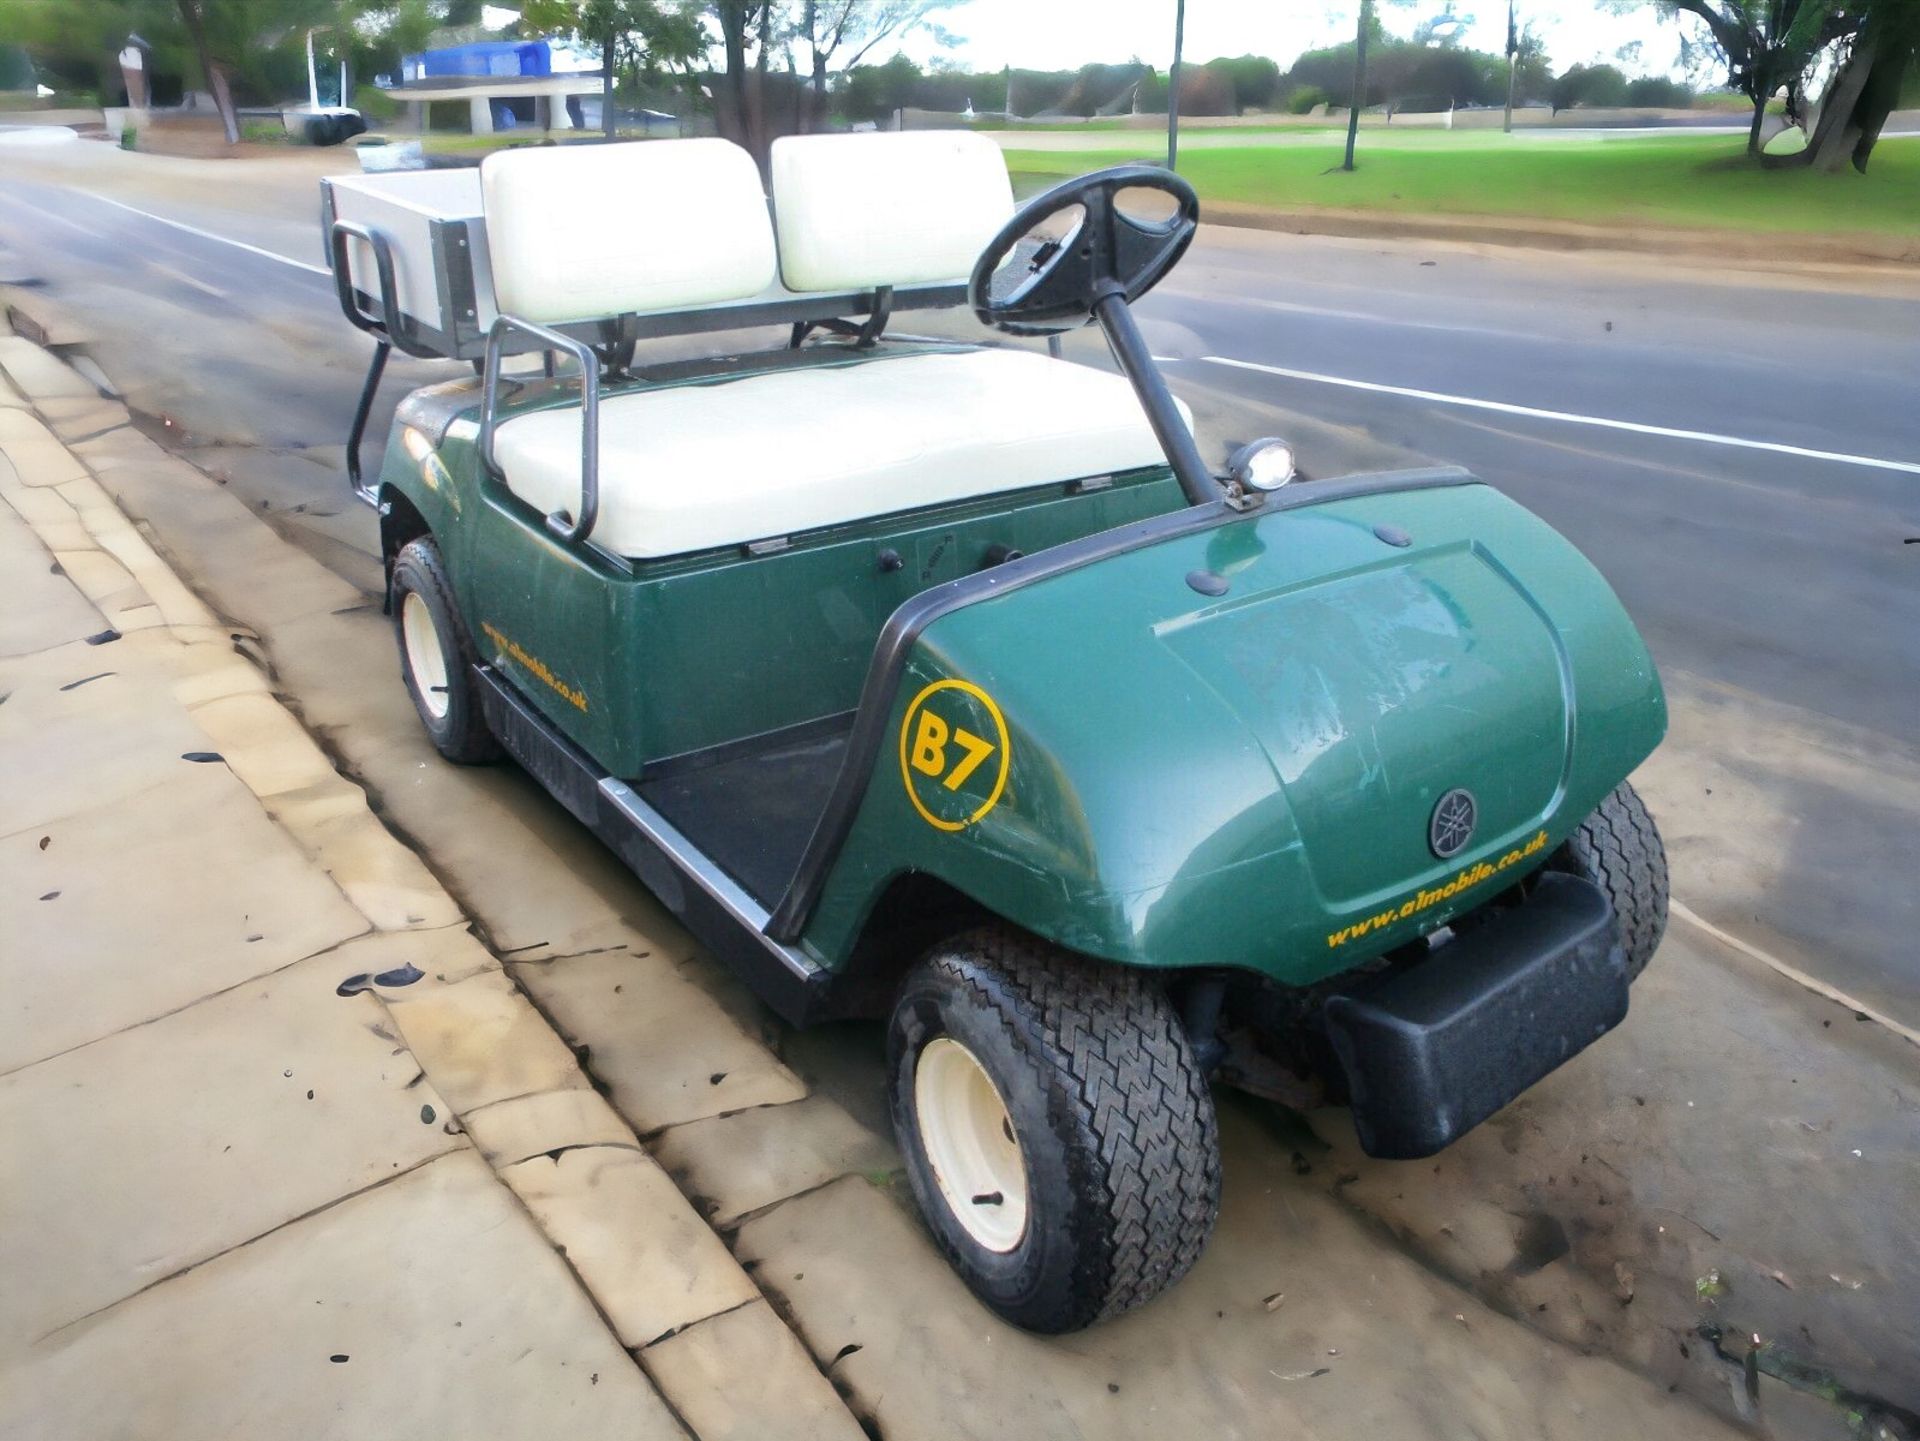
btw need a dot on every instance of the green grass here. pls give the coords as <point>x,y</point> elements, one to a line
<point>1681,180</point>
<point>1281,124</point>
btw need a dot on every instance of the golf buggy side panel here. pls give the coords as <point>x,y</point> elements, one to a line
<point>1226,747</point>
<point>713,646</point>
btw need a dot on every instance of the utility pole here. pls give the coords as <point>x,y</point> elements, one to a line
<point>606,81</point>
<point>1359,96</point>
<point>1173,85</point>
<point>1513,67</point>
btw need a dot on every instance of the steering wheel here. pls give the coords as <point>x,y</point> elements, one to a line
<point>1109,252</point>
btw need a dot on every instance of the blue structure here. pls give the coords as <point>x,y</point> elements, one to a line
<point>488,59</point>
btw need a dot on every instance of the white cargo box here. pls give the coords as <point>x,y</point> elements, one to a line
<point>429,223</point>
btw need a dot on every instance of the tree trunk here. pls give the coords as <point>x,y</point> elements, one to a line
<point>214,75</point>
<point>759,138</point>
<point>1865,92</point>
<point>1763,92</point>
<point>729,107</point>
<point>818,111</point>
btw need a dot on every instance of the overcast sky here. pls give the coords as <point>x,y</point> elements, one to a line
<point>1063,34</point>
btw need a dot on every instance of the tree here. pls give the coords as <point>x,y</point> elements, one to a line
<point>638,38</point>
<point>1255,80</point>
<point>739,93</point>
<point>193,15</point>
<point>851,28</point>
<point>1865,89</point>
<point>1369,27</point>
<point>1767,44</point>
<point>1588,85</point>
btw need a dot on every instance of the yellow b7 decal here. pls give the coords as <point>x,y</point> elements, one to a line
<point>948,737</point>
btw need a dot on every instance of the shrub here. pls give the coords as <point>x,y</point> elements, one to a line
<point>1302,100</point>
<point>1658,92</point>
<point>374,103</point>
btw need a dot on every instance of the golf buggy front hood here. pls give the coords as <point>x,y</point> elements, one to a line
<point>1232,747</point>
<point>1374,693</point>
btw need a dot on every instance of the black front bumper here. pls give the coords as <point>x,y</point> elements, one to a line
<point>1432,1051</point>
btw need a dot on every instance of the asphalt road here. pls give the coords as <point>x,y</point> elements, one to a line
<point>1739,454</point>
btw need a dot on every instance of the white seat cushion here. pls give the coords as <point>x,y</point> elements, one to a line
<point>714,464</point>
<point>886,209</point>
<point>576,232</point>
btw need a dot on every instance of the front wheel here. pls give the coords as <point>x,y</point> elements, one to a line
<point>1618,849</point>
<point>1058,1133</point>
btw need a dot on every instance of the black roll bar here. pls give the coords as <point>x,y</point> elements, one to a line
<point>387,329</point>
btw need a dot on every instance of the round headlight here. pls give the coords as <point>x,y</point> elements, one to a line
<point>1265,464</point>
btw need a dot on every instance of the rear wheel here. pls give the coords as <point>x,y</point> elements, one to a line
<point>1618,848</point>
<point>1058,1133</point>
<point>436,658</point>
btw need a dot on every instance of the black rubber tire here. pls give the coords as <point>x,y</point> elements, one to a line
<point>461,735</point>
<point>1115,1121</point>
<point>1618,849</point>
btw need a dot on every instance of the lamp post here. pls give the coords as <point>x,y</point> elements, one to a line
<point>1513,67</point>
<point>1173,85</point>
<point>1359,95</point>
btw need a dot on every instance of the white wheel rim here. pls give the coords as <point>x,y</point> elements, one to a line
<point>970,1144</point>
<point>425,659</point>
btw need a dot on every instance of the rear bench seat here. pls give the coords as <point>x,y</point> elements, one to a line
<point>677,224</point>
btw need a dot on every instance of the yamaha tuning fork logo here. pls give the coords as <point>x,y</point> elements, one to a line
<point>1452,824</point>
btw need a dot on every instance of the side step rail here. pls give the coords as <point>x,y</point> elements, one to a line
<point>704,898</point>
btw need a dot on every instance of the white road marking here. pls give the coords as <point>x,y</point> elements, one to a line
<point>52,215</point>
<point>183,278</point>
<point>1370,317</point>
<point>1565,417</point>
<point>210,235</point>
<point>1792,973</point>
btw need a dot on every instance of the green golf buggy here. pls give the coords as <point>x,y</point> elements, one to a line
<point>947,683</point>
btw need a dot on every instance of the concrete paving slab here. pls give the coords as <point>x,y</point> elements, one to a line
<point>649,1260</point>
<point>1331,1334</point>
<point>213,672</point>
<point>444,956</point>
<point>212,535</point>
<point>34,453</point>
<point>84,726</point>
<point>383,1316</point>
<point>81,417</point>
<point>730,1166</point>
<point>116,448</point>
<point>39,609</point>
<point>103,580</point>
<point>667,1051</point>
<point>742,1376</point>
<point>151,906</point>
<point>546,1121</point>
<point>39,374</point>
<point>264,745</point>
<point>181,1139</point>
<point>42,319</point>
<point>116,536</point>
<point>482,1040</point>
<point>385,879</point>
<point>55,522</point>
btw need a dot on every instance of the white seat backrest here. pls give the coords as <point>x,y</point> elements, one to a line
<point>577,232</point>
<point>912,208</point>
